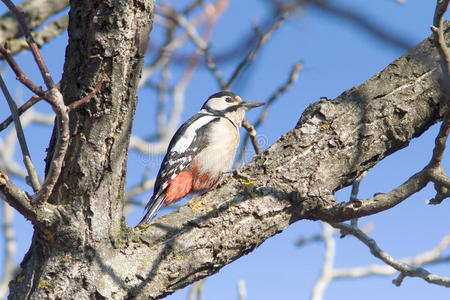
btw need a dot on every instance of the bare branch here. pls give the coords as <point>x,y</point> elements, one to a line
<point>441,184</point>
<point>252,54</point>
<point>145,185</point>
<point>404,268</point>
<point>10,245</point>
<point>32,101</point>
<point>33,46</point>
<point>363,22</point>
<point>19,74</point>
<point>77,104</point>
<point>44,36</point>
<point>327,267</point>
<point>438,151</point>
<point>354,193</point>
<point>437,28</point>
<point>251,132</point>
<point>377,203</point>
<point>179,89</point>
<point>136,143</point>
<point>196,291</point>
<point>432,256</point>
<point>36,13</point>
<point>62,142</point>
<point>16,197</point>
<point>242,291</point>
<point>34,181</point>
<point>293,76</point>
<point>199,41</point>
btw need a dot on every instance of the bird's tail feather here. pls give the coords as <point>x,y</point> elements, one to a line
<point>152,208</point>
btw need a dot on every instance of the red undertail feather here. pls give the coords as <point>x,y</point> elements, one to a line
<point>187,182</point>
<point>179,187</point>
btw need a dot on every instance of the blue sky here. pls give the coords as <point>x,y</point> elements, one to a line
<point>337,55</point>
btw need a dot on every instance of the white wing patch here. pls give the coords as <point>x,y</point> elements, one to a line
<point>183,143</point>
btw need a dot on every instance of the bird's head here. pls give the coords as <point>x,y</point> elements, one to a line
<point>229,105</point>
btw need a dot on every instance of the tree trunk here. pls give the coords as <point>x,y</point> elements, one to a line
<point>107,39</point>
<point>90,253</point>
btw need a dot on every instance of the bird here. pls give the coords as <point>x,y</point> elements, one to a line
<point>201,151</point>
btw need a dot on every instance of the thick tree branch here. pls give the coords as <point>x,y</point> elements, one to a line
<point>16,197</point>
<point>333,143</point>
<point>41,37</point>
<point>36,12</point>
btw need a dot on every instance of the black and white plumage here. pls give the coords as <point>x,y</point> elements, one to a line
<point>200,152</point>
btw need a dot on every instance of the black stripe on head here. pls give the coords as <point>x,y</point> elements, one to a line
<point>221,94</point>
<point>222,113</point>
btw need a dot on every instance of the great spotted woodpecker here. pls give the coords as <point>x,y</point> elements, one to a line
<point>200,152</point>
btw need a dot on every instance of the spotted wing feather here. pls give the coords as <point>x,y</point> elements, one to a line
<point>179,155</point>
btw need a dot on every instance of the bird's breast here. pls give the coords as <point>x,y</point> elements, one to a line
<point>218,156</point>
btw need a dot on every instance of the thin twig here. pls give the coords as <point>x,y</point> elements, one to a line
<point>196,291</point>
<point>179,90</point>
<point>77,104</point>
<point>162,101</point>
<point>62,142</point>
<point>144,186</point>
<point>251,132</point>
<point>363,22</point>
<point>252,54</point>
<point>441,139</point>
<point>437,28</point>
<point>199,41</point>
<point>432,256</point>
<point>327,267</point>
<point>404,268</point>
<point>171,44</point>
<point>33,46</point>
<point>242,291</point>
<point>10,245</point>
<point>320,237</point>
<point>293,76</point>
<point>34,181</point>
<point>435,172</point>
<point>354,193</point>
<point>19,74</point>
<point>32,101</point>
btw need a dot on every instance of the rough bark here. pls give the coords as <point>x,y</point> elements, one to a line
<point>90,253</point>
<point>106,38</point>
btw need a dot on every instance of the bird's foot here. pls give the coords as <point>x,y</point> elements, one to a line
<point>243,176</point>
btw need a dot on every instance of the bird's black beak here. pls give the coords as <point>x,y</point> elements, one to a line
<point>250,105</point>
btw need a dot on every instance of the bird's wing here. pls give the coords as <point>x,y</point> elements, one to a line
<point>190,138</point>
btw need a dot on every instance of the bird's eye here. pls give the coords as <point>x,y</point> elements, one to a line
<point>229,99</point>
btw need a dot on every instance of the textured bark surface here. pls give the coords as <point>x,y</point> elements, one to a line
<point>90,253</point>
<point>333,142</point>
<point>106,39</point>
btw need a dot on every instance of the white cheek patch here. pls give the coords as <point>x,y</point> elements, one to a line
<point>183,143</point>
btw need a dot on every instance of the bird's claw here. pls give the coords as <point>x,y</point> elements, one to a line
<point>237,174</point>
